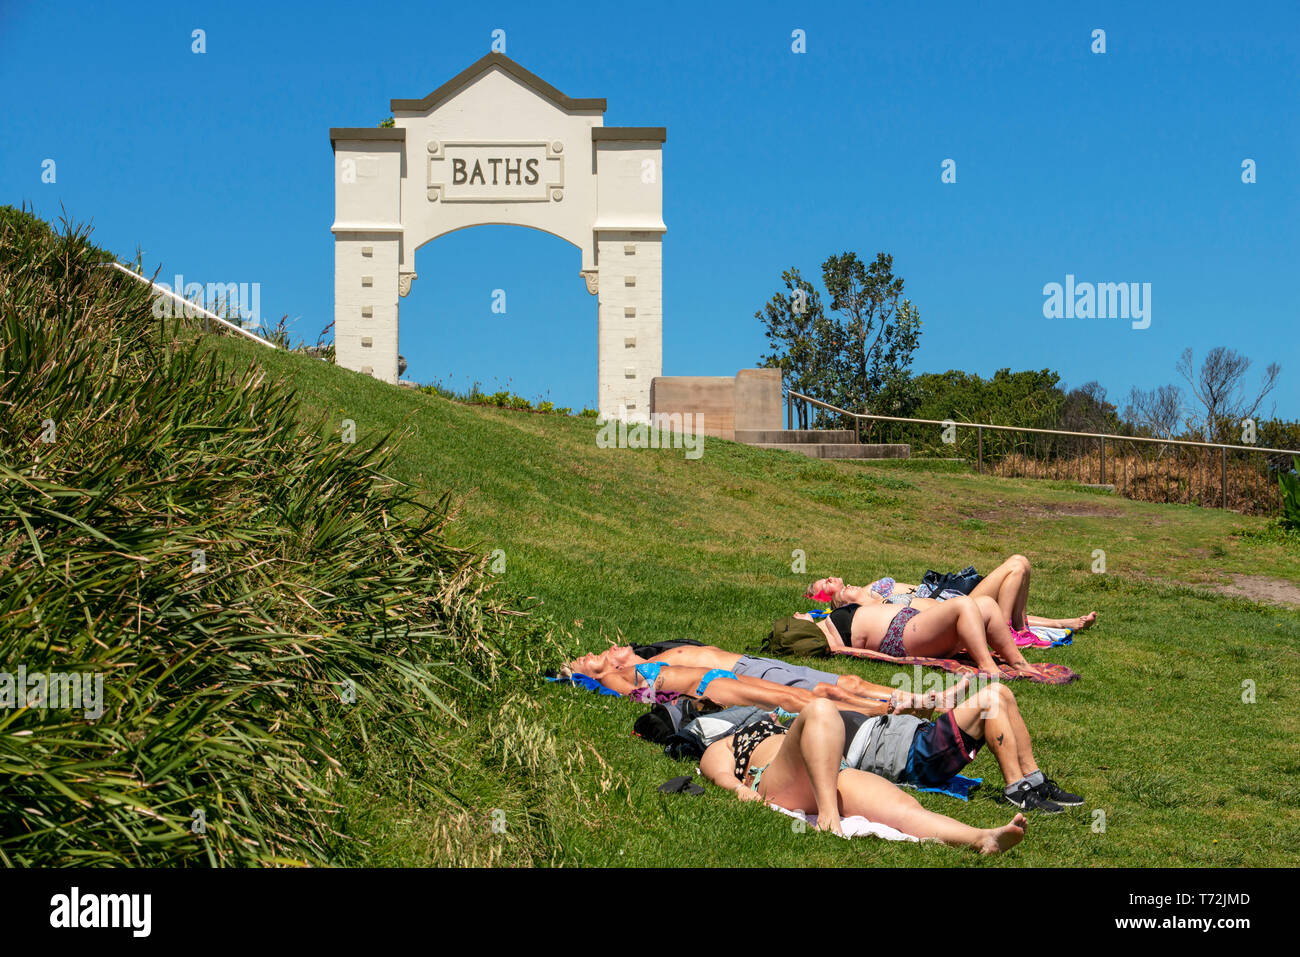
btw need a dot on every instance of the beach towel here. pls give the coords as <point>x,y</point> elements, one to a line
<point>960,787</point>
<point>1052,674</point>
<point>855,826</point>
<point>582,681</point>
<point>643,695</point>
<point>1057,636</point>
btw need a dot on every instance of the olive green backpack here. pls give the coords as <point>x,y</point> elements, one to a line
<point>795,638</point>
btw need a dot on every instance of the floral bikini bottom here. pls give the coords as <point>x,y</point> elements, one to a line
<point>892,643</point>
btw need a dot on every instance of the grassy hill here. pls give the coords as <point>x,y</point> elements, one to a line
<point>335,562</point>
<point>277,640</point>
<point>623,544</point>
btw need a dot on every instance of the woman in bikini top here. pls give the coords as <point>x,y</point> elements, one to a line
<point>890,641</point>
<point>972,625</point>
<point>804,770</point>
<point>746,741</point>
<point>649,672</point>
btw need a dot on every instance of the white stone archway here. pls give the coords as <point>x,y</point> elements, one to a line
<point>497,145</point>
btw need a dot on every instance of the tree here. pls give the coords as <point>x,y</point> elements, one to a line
<point>879,331</point>
<point>1220,389</point>
<point>1156,412</point>
<point>803,341</point>
<point>1026,398</point>
<point>860,356</point>
<point>1086,410</point>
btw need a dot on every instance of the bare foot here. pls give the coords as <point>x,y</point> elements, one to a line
<point>954,695</point>
<point>826,823</point>
<point>999,839</point>
<point>942,701</point>
<point>918,705</point>
<point>1079,624</point>
<point>1025,668</point>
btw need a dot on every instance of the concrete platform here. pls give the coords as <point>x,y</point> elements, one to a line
<point>839,450</point>
<point>794,436</point>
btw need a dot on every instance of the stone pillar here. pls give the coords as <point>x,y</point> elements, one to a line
<point>365,302</point>
<point>367,248</point>
<point>629,232</point>
<point>630,350</point>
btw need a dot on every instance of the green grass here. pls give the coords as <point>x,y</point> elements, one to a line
<point>644,544</point>
<point>287,647</point>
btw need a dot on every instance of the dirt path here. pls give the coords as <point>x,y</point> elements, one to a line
<point>1262,588</point>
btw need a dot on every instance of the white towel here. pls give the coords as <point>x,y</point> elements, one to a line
<point>855,826</point>
<point>1051,634</point>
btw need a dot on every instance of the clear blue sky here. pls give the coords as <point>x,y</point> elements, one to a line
<point>1124,166</point>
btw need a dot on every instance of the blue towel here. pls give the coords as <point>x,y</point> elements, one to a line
<point>591,684</point>
<point>960,787</point>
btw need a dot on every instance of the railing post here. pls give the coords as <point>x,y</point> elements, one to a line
<point>1223,476</point>
<point>979,438</point>
<point>1103,460</point>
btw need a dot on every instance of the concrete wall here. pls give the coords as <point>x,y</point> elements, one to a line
<point>751,399</point>
<point>758,399</point>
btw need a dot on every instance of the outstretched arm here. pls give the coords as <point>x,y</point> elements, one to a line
<point>833,640</point>
<point>718,765</point>
<point>615,681</point>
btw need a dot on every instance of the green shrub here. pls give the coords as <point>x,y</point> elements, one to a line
<point>234,578</point>
<point>1290,483</point>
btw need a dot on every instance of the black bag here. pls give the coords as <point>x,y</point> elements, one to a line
<point>963,581</point>
<point>696,735</point>
<point>663,721</point>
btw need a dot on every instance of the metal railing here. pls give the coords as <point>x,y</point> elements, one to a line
<point>191,307</point>
<point>1242,477</point>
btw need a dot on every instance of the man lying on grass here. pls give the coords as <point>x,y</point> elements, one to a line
<point>927,754</point>
<point>801,769</point>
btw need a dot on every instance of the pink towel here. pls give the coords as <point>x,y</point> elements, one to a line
<point>1053,674</point>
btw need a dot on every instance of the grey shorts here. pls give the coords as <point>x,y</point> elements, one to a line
<point>781,673</point>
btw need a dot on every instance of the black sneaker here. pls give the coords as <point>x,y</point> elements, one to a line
<point>1027,798</point>
<point>1049,790</point>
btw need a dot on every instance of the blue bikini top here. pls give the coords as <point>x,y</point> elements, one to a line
<point>650,670</point>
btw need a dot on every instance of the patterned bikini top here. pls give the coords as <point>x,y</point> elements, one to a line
<point>750,738</point>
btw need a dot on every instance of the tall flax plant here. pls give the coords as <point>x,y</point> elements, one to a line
<point>262,602</point>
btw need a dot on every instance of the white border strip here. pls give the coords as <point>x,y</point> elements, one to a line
<point>197,308</point>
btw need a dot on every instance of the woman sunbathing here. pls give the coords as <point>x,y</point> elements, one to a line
<point>857,691</point>
<point>1008,585</point>
<point>802,770</point>
<point>726,688</point>
<point>959,624</point>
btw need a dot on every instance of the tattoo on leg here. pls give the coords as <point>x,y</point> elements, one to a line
<point>999,739</point>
